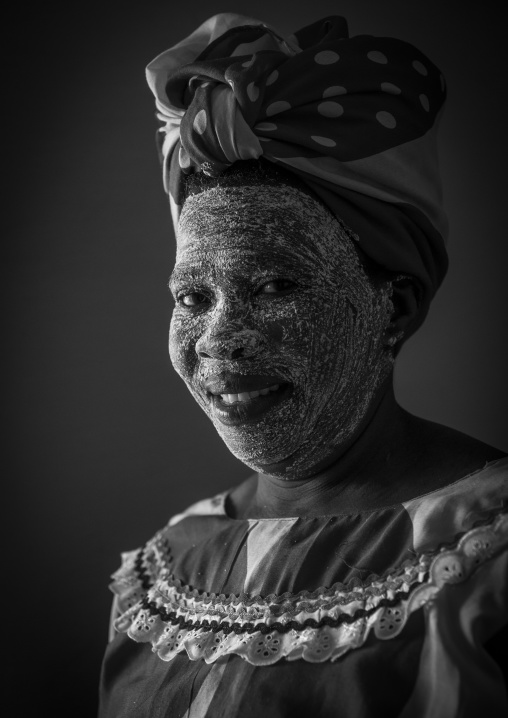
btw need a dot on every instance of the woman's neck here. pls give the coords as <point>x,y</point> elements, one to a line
<point>394,458</point>
<point>361,476</point>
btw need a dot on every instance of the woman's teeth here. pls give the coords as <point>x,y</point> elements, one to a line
<point>246,395</point>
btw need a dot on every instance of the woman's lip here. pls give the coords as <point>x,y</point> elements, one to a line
<point>245,412</point>
<point>240,383</point>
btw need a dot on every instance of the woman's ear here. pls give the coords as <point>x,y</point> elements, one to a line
<point>406,299</point>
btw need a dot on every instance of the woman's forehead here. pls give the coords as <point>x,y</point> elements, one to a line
<point>238,261</point>
<point>262,220</point>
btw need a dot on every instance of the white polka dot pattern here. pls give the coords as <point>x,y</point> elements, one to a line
<point>272,77</point>
<point>378,57</point>
<point>324,141</point>
<point>265,126</point>
<point>386,119</point>
<point>390,88</point>
<point>334,91</point>
<point>277,107</point>
<point>330,109</point>
<point>252,92</point>
<point>200,122</point>
<point>327,57</point>
<point>321,95</point>
<point>183,159</point>
<point>420,67</point>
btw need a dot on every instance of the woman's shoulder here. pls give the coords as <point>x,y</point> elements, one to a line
<point>449,454</point>
<point>463,482</point>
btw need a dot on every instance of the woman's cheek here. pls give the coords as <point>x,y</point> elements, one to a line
<point>182,342</point>
<point>288,324</point>
<point>300,326</point>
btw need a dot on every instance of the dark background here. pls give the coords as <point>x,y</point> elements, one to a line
<point>103,443</point>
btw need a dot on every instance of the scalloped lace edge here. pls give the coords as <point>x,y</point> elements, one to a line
<point>195,630</point>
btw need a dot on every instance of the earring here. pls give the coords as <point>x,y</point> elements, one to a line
<point>392,340</point>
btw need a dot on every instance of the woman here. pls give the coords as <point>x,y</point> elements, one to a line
<point>361,571</point>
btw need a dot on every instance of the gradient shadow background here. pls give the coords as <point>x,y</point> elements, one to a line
<point>103,442</point>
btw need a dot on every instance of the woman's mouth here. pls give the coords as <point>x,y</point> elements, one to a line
<point>246,395</point>
<point>248,406</point>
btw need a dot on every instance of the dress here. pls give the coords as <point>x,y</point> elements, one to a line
<point>373,614</point>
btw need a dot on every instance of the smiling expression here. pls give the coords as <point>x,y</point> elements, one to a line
<point>277,330</point>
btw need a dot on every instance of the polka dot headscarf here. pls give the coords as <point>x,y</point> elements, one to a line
<point>355,118</point>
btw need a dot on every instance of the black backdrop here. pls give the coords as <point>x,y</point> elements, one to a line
<point>103,443</point>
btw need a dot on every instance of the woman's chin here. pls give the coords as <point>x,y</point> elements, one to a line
<point>258,458</point>
<point>292,464</point>
<point>258,453</point>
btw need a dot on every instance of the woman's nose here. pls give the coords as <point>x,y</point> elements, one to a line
<point>224,343</point>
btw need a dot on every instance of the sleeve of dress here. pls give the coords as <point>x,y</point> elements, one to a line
<point>115,613</point>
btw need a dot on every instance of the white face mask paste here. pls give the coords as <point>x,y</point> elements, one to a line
<point>324,336</point>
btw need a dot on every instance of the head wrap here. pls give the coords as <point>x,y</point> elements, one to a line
<point>355,118</point>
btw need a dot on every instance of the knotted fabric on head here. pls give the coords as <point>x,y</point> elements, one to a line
<point>355,118</point>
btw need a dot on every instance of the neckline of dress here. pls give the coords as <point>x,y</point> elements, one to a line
<point>487,467</point>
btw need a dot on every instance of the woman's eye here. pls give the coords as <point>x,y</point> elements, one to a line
<point>275,286</point>
<point>193,299</point>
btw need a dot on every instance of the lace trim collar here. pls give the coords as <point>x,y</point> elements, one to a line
<point>155,607</point>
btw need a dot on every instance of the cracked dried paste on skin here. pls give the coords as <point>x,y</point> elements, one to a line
<point>323,335</point>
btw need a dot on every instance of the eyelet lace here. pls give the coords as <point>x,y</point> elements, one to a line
<point>157,608</point>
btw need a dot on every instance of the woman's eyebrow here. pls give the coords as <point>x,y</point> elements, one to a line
<point>180,274</point>
<point>262,265</point>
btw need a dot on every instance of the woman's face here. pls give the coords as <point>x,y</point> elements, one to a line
<point>277,330</point>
